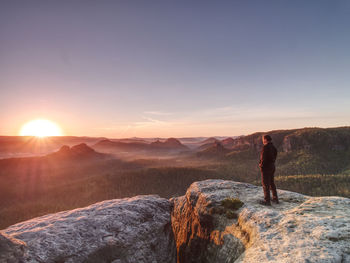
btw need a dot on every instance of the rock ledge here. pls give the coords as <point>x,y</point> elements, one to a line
<point>299,229</point>
<point>134,229</point>
<point>196,227</point>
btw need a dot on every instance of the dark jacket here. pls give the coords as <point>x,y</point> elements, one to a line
<point>268,156</point>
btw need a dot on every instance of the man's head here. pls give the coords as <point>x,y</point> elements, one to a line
<point>266,139</point>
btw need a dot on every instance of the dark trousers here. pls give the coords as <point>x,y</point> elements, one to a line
<point>268,183</point>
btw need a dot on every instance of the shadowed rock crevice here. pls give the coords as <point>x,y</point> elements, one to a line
<point>205,236</point>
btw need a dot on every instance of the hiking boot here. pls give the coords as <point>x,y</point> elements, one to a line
<point>275,200</point>
<point>263,202</point>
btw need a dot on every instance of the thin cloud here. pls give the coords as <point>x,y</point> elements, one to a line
<point>224,120</point>
<point>159,113</point>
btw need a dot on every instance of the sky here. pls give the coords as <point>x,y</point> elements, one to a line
<point>163,68</point>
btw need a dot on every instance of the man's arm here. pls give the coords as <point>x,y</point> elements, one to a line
<point>275,154</point>
<point>263,157</point>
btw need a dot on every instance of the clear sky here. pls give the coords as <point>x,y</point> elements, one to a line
<point>174,68</point>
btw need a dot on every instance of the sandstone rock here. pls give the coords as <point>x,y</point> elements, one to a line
<point>11,249</point>
<point>299,229</point>
<point>287,145</point>
<point>145,229</point>
<point>137,229</point>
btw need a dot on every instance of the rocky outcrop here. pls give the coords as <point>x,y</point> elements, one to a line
<point>299,229</point>
<point>297,142</point>
<point>217,150</point>
<point>228,142</point>
<point>124,230</point>
<point>11,249</point>
<point>79,151</point>
<point>216,221</point>
<point>171,144</point>
<point>287,145</point>
<point>316,139</point>
<point>168,144</point>
<point>128,146</point>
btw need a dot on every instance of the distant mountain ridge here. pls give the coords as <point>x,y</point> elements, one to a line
<point>301,151</point>
<point>25,146</point>
<point>319,149</point>
<point>171,144</point>
<point>79,151</point>
<point>228,143</point>
<point>30,146</point>
<point>217,150</point>
<point>296,139</point>
<point>289,140</point>
<point>125,146</point>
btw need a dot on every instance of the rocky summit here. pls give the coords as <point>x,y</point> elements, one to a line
<point>216,221</point>
<point>134,229</point>
<point>298,229</point>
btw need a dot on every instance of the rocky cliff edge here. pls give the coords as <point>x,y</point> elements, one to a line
<point>216,221</point>
<point>298,229</point>
<point>134,229</point>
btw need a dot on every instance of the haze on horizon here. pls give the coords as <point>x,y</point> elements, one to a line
<point>174,69</point>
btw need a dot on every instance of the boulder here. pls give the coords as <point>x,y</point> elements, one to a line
<point>129,230</point>
<point>299,229</point>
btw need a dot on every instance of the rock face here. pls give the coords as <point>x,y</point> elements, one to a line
<point>197,227</point>
<point>11,249</point>
<point>299,229</point>
<point>123,230</point>
<point>287,145</point>
<point>228,142</point>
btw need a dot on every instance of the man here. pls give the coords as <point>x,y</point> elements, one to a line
<point>267,166</point>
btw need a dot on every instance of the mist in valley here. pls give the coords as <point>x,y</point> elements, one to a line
<point>63,173</point>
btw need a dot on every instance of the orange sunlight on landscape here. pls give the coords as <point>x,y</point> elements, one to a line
<point>40,128</point>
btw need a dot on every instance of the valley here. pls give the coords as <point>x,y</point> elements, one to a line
<point>78,171</point>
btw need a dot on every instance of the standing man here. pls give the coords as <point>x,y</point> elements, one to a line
<point>267,166</point>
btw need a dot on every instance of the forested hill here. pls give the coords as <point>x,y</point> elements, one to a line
<point>301,151</point>
<point>297,139</point>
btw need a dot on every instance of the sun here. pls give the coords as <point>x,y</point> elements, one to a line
<point>40,128</point>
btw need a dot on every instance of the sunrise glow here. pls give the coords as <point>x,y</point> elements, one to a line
<point>40,128</point>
